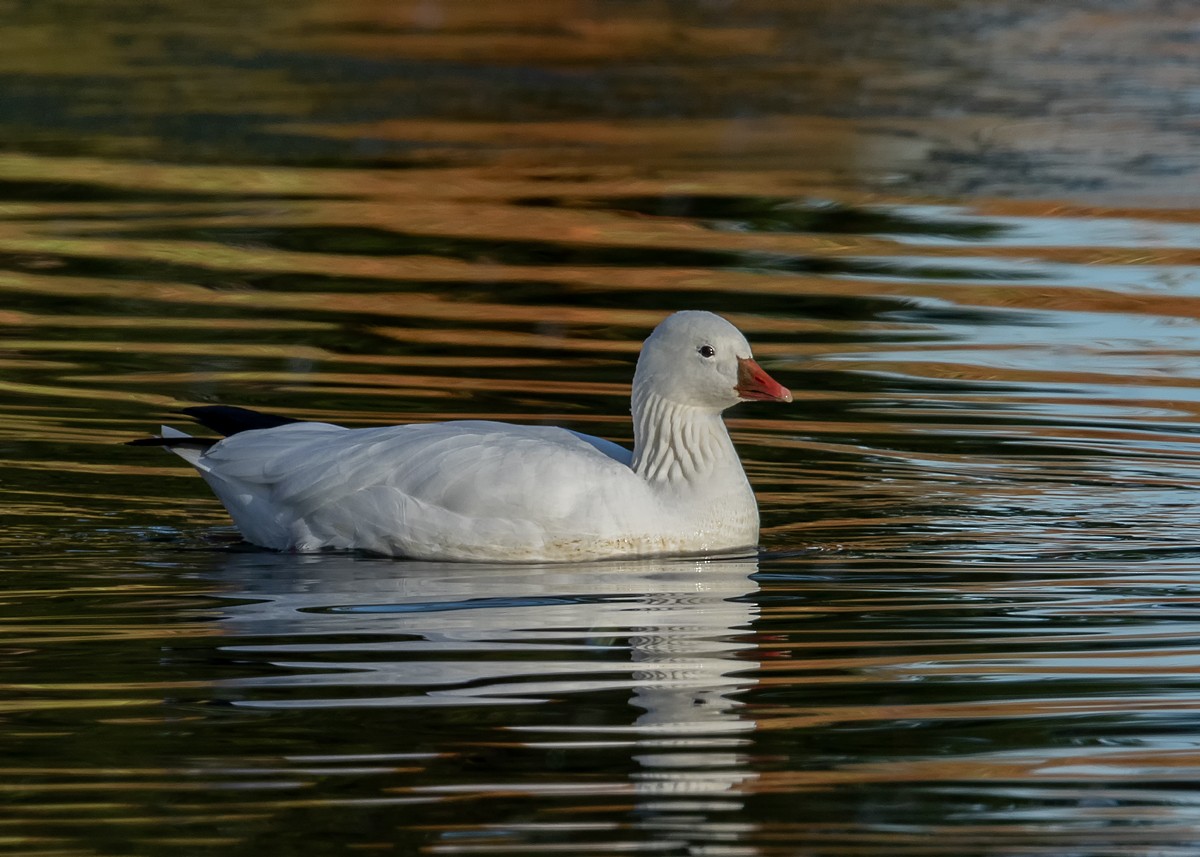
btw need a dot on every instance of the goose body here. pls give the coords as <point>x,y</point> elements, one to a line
<point>481,490</point>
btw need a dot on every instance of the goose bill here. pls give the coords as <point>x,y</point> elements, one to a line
<point>754,384</point>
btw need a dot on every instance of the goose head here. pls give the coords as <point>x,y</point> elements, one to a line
<point>699,359</point>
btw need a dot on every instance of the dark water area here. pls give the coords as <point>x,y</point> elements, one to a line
<point>966,235</point>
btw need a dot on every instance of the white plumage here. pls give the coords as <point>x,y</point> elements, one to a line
<point>478,490</point>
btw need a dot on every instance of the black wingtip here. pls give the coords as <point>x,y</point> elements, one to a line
<point>201,443</point>
<point>228,420</point>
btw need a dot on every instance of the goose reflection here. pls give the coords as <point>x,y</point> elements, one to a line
<point>673,632</point>
<point>337,631</point>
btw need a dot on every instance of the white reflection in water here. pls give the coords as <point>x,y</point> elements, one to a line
<point>668,631</point>
<point>673,633</point>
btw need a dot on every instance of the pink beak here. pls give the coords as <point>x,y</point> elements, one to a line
<point>754,384</point>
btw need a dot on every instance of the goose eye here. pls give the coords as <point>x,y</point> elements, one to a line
<point>707,351</point>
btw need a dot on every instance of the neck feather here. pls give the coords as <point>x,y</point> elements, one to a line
<point>675,443</point>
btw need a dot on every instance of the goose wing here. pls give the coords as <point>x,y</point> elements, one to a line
<point>462,490</point>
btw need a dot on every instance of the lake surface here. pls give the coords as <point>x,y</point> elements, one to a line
<point>966,235</point>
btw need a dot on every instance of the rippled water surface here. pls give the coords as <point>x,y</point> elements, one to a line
<point>966,235</point>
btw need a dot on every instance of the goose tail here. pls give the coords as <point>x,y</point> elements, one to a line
<point>181,443</point>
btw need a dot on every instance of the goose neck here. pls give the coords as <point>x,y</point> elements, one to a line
<point>673,442</point>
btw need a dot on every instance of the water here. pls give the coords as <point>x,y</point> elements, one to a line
<point>967,237</point>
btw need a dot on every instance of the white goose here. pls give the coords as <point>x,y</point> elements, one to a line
<point>477,490</point>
